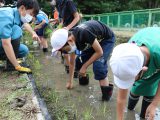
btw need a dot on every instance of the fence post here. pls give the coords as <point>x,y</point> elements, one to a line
<point>91,17</point>
<point>108,20</point>
<point>132,20</point>
<point>99,18</point>
<point>118,20</point>
<point>150,18</point>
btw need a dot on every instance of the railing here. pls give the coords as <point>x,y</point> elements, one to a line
<point>128,19</point>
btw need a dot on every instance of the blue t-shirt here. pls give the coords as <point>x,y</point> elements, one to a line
<point>40,17</point>
<point>8,18</point>
<point>66,9</point>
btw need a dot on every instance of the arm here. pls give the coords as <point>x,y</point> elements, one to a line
<point>151,110</point>
<point>71,67</point>
<point>40,25</point>
<point>7,46</point>
<point>98,53</point>
<point>75,21</point>
<point>121,101</point>
<point>30,30</point>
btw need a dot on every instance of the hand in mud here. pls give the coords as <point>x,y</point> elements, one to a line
<point>150,112</point>
<point>35,37</point>
<point>82,71</point>
<point>69,85</point>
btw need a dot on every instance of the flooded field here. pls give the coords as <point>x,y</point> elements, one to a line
<point>80,103</point>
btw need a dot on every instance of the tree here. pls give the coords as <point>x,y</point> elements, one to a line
<point>103,6</point>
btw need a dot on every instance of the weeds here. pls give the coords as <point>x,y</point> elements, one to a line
<point>87,114</point>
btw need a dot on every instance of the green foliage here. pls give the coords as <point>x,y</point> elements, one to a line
<point>60,112</point>
<point>48,30</point>
<point>46,7</point>
<point>103,6</point>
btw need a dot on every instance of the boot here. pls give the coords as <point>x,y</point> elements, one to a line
<point>67,69</point>
<point>9,66</point>
<point>107,92</point>
<point>15,45</point>
<point>45,50</point>
<point>62,58</point>
<point>145,103</point>
<point>132,101</point>
<point>84,80</point>
<point>76,74</point>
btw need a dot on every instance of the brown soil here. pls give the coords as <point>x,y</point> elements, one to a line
<point>15,97</point>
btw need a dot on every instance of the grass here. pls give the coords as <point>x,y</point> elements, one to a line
<point>56,104</point>
<point>88,114</point>
<point>9,93</point>
<point>54,100</point>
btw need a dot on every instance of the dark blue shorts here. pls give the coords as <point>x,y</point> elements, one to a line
<point>40,32</point>
<point>100,67</point>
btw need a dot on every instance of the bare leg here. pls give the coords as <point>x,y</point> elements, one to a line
<point>66,57</point>
<point>69,84</point>
<point>44,42</point>
<point>104,82</point>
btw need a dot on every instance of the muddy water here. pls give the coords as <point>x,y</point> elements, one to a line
<point>83,98</point>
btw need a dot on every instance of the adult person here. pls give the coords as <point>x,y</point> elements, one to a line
<point>11,20</point>
<point>137,64</point>
<point>96,41</point>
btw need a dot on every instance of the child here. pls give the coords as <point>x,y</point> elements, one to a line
<point>137,64</point>
<point>96,42</point>
<point>41,23</point>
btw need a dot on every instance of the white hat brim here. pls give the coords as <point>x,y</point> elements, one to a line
<point>53,50</point>
<point>123,84</point>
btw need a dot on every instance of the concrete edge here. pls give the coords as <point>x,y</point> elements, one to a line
<point>38,101</point>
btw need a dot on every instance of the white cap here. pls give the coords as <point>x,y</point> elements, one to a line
<point>126,62</point>
<point>59,39</point>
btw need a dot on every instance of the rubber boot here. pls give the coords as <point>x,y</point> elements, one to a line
<point>145,103</point>
<point>9,66</point>
<point>15,45</point>
<point>67,69</point>
<point>107,92</point>
<point>62,58</point>
<point>84,80</point>
<point>132,101</point>
<point>45,50</point>
<point>76,74</point>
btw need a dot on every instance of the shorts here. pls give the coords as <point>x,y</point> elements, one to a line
<point>40,32</point>
<point>100,66</point>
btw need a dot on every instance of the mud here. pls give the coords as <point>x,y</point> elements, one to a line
<point>85,99</point>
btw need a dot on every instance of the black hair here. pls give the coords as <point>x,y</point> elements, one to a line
<point>29,4</point>
<point>69,33</point>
